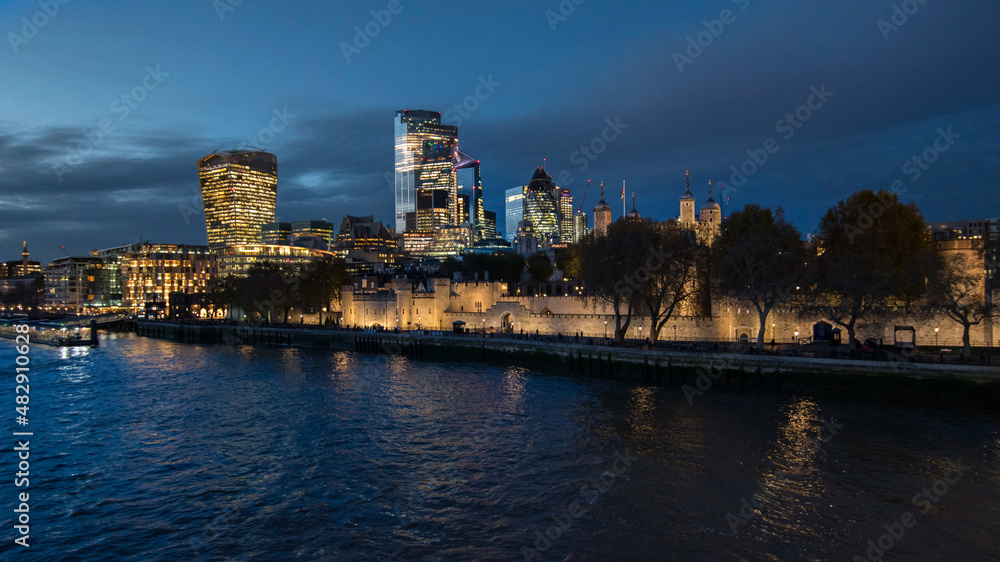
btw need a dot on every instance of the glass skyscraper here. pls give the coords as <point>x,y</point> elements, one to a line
<point>426,183</point>
<point>239,189</point>
<point>541,208</point>
<point>513,210</point>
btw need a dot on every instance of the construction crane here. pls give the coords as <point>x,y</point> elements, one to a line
<point>582,201</point>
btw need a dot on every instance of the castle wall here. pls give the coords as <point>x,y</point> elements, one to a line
<point>484,305</point>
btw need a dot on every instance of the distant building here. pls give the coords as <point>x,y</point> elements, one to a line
<point>976,229</point>
<point>365,240</point>
<point>602,215</point>
<point>489,230</point>
<point>564,213</point>
<point>425,180</point>
<point>70,282</point>
<point>237,260</point>
<point>687,218</point>
<point>541,209</point>
<point>307,231</point>
<point>513,210</point>
<point>151,272</point>
<point>20,268</point>
<point>581,228</point>
<point>276,233</point>
<point>706,225</point>
<point>239,190</point>
<point>525,240</point>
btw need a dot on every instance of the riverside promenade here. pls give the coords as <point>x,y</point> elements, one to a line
<point>700,368</point>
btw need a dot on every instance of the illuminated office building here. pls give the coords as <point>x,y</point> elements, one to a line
<point>470,179</point>
<point>365,240</point>
<point>425,181</point>
<point>238,189</point>
<point>276,233</point>
<point>151,272</point>
<point>564,211</point>
<point>319,231</point>
<point>69,283</point>
<point>237,260</point>
<point>513,210</point>
<point>540,208</point>
<point>580,227</point>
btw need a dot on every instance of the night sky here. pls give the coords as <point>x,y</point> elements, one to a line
<point>197,74</point>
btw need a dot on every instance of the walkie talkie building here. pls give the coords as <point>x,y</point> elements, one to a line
<point>239,189</point>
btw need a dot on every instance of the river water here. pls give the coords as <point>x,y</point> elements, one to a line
<point>152,450</point>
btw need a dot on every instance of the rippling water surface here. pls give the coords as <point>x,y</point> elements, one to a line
<point>151,450</point>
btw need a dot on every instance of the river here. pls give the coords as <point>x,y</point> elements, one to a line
<point>153,450</point>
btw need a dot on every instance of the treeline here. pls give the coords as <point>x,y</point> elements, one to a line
<point>270,291</point>
<point>871,253</point>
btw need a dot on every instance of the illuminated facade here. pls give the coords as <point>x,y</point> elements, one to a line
<point>237,260</point>
<point>514,210</point>
<point>602,215</point>
<point>687,218</point>
<point>363,239</point>
<point>564,210</point>
<point>238,190</point>
<point>70,282</point>
<point>276,233</point>
<point>541,209</point>
<point>580,227</point>
<point>151,272</point>
<point>20,268</point>
<point>426,184</point>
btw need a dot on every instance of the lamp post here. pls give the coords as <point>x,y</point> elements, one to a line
<point>796,337</point>
<point>936,330</point>
<point>605,329</point>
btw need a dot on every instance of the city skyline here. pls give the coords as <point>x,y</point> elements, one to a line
<point>669,105</point>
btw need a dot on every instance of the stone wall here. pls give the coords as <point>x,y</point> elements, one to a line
<point>484,305</point>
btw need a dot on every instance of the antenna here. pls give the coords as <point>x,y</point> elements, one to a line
<point>217,149</point>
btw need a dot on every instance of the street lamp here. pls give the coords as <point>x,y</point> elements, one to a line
<point>796,337</point>
<point>605,329</point>
<point>936,330</point>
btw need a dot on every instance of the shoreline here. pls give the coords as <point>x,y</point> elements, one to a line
<point>617,363</point>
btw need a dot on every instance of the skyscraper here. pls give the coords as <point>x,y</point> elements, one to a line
<point>426,183</point>
<point>513,210</point>
<point>239,189</point>
<point>541,209</point>
<point>580,227</point>
<point>564,211</point>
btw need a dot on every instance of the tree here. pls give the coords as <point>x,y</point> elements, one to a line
<point>617,269</point>
<point>320,282</point>
<point>599,267</point>
<point>759,258</point>
<point>226,293</point>
<point>872,251</point>
<point>540,268</point>
<point>267,290</point>
<point>568,261</point>
<point>957,289</point>
<point>667,277</point>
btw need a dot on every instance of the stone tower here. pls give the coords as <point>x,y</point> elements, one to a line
<point>602,215</point>
<point>688,220</point>
<point>711,214</point>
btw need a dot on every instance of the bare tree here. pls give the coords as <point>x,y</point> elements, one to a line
<point>957,289</point>
<point>759,258</point>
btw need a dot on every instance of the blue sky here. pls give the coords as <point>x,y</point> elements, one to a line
<point>194,81</point>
